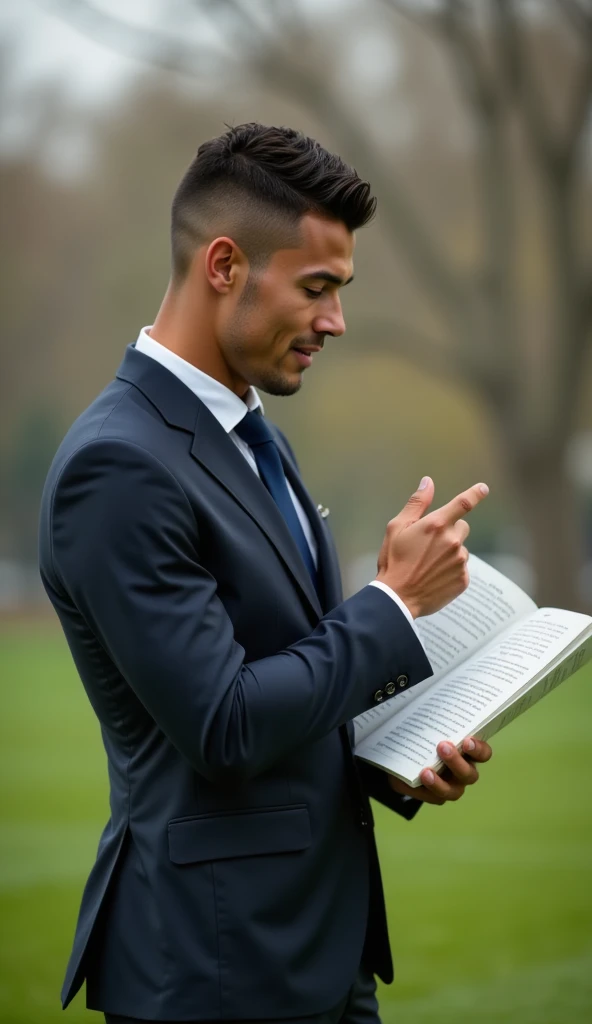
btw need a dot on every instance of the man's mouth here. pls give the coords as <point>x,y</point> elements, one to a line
<point>304,353</point>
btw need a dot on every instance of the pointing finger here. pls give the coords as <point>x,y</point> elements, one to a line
<point>463,503</point>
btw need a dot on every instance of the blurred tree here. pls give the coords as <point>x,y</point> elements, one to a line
<point>521,354</point>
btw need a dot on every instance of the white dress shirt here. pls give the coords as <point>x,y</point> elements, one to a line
<point>229,410</point>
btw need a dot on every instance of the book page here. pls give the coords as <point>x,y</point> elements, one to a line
<point>570,662</point>
<point>489,605</point>
<point>474,692</point>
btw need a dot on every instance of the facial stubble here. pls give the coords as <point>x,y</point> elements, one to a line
<point>268,380</point>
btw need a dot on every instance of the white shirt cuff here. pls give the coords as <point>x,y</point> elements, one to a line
<point>398,600</point>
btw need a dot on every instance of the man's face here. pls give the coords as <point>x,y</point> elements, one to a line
<point>271,332</point>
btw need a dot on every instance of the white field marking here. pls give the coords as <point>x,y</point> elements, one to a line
<point>542,852</point>
<point>548,993</point>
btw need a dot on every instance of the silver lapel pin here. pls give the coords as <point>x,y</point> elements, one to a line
<point>323,512</point>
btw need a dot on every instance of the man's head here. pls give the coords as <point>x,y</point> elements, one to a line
<point>263,229</point>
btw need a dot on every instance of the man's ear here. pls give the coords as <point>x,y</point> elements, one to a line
<point>225,264</point>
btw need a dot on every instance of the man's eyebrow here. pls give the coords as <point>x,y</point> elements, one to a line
<point>326,275</point>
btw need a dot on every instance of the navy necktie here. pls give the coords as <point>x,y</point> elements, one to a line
<point>254,431</point>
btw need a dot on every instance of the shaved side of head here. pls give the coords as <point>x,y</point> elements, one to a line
<point>258,227</point>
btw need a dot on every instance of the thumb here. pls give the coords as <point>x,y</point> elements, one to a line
<point>418,503</point>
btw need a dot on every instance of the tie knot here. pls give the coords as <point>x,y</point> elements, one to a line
<point>254,430</point>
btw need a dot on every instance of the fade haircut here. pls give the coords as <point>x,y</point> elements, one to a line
<point>253,184</point>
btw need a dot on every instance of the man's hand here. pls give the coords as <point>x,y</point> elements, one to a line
<point>424,559</point>
<point>459,773</point>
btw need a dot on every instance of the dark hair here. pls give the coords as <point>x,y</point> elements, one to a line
<point>253,183</point>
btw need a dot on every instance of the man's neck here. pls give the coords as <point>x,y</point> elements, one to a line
<point>174,329</point>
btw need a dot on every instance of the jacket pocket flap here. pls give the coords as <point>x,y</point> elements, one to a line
<point>239,834</point>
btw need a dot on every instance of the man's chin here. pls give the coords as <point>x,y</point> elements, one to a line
<point>281,384</point>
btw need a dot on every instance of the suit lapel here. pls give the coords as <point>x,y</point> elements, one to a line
<point>217,453</point>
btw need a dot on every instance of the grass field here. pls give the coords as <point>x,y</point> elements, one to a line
<point>490,900</point>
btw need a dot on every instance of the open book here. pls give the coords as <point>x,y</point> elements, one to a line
<point>494,655</point>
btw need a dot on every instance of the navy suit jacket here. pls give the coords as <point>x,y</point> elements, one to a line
<point>237,876</point>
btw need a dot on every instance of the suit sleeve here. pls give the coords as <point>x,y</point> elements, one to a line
<point>376,783</point>
<point>126,549</point>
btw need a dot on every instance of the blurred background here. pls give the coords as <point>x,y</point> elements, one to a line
<point>468,356</point>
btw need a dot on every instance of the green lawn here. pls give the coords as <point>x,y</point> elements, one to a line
<point>490,900</point>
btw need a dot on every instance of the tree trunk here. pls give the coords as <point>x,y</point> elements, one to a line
<point>551,513</point>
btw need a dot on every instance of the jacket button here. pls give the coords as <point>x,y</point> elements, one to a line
<point>378,696</point>
<point>390,688</point>
<point>402,681</point>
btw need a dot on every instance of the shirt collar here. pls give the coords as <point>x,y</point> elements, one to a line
<point>227,407</point>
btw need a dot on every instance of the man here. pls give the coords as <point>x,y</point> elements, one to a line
<point>198,589</point>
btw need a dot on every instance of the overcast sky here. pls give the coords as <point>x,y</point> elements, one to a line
<point>42,46</point>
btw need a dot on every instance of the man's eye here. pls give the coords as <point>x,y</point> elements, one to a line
<point>313,294</point>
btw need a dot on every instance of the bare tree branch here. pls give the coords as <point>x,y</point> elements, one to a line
<point>246,27</point>
<point>577,118</point>
<point>422,19</point>
<point>475,81</point>
<point>517,72</point>
<point>580,14</point>
<point>478,88</point>
<point>289,16</point>
<point>448,22</point>
<point>131,40</point>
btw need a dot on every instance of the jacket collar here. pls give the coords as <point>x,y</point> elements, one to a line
<point>173,399</point>
<point>223,403</point>
<point>216,452</point>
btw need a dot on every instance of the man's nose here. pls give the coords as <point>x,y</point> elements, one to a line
<point>330,321</point>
